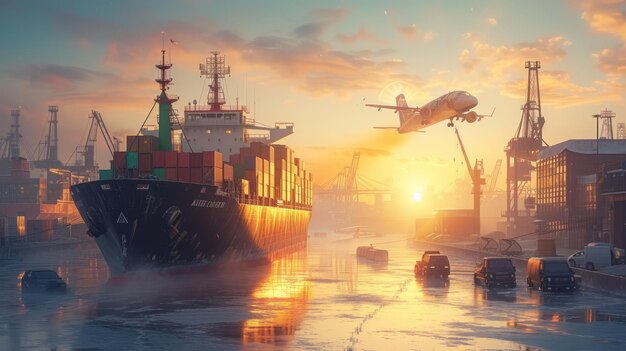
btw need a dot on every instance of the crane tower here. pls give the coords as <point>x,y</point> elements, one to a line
<point>522,151</point>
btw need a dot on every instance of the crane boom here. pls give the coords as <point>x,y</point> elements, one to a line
<point>477,180</point>
<point>467,162</point>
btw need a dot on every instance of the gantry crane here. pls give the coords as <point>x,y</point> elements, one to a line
<point>477,180</point>
<point>521,154</point>
<point>85,155</point>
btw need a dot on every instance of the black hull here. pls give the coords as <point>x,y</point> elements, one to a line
<point>141,223</point>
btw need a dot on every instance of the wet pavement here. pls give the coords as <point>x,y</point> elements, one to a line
<point>324,298</point>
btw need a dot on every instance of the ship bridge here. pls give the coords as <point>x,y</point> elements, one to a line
<point>227,130</point>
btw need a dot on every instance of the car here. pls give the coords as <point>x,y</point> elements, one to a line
<point>417,269</point>
<point>495,271</point>
<point>42,280</point>
<point>593,256</point>
<point>550,274</point>
<point>434,265</point>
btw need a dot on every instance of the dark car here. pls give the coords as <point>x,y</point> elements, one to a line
<point>550,274</point>
<point>495,271</point>
<point>42,280</point>
<point>435,265</point>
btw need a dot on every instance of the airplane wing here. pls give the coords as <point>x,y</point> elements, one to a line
<point>392,107</point>
<point>471,116</point>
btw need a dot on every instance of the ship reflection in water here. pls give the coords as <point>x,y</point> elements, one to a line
<point>237,304</point>
<point>278,303</point>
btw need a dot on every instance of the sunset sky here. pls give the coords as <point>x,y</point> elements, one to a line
<point>316,63</point>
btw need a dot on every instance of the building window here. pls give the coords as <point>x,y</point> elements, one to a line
<point>20,224</point>
<point>208,131</point>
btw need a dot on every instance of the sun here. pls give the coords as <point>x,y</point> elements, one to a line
<point>417,197</point>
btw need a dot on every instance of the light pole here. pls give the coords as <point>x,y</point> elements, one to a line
<point>597,117</point>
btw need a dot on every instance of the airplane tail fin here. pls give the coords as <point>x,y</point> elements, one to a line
<point>404,114</point>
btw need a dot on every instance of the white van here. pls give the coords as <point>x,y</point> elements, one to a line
<point>592,257</point>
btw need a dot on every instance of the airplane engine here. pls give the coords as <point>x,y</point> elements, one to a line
<point>471,117</point>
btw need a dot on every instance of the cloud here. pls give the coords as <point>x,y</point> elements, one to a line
<point>409,32</point>
<point>612,61</point>
<point>558,90</point>
<point>497,62</point>
<point>607,17</point>
<point>59,77</point>
<point>492,21</point>
<point>429,36</point>
<point>363,34</point>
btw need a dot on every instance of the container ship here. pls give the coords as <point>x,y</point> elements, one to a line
<point>211,189</point>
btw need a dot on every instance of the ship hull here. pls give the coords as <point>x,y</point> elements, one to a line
<point>155,224</point>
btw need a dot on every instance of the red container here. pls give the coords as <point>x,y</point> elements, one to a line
<point>229,174</point>
<point>234,159</point>
<point>183,174</point>
<point>119,159</point>
<point>145,163</point>
<point>253,163</point>
<point>171,159</point>
<point>212,175</point>
<point>171,173</point>
<point>213,159</point>
<point>195,175</point>
<point>158,159</point>
<point>183,160</point>
<point>245,151</point>
<point>196,160</point>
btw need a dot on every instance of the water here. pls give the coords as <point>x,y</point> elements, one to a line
<point>322,298</point>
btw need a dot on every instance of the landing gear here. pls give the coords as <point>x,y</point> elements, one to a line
<point>450,124</point>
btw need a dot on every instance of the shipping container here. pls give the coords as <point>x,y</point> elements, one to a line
<point>234,159</point>
<point>159,172</point>
<point>213,159</point>
<point>239,170</point>
<point>212,175</point>
<point>171,173</point>
<point>195,174</point>
<point>171,159</point>
<point>119,159</point>
<point>183,160</point>
<point>262,150</point>
<point>145,163</point>
<point>105,174</point>
<point>183,174</point>
<point>228,174</point>
<point>142,143</point>
<point>132,160</point>
<point>253,163</point>
<point>196,160</point>
<point>158,159</point>
<point>245,187</point>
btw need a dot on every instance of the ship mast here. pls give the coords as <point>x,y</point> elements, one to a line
<point>165,104</point>
<point>215,69</point>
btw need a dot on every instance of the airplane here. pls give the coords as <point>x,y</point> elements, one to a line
<point>452,106</point>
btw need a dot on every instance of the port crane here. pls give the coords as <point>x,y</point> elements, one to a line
<point>85,154</point>
<point>475,174</point>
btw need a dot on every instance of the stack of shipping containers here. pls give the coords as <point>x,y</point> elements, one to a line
<point>261,173</point>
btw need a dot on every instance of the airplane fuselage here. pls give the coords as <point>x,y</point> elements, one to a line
<point>443,108</point>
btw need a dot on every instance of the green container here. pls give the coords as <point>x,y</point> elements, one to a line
<point>132,160</point>
<point>106,174</point>
<point>159,173</point>
<point>239,170</point>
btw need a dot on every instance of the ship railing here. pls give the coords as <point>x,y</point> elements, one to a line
<point>224,108</point>
<point>261,201</point>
